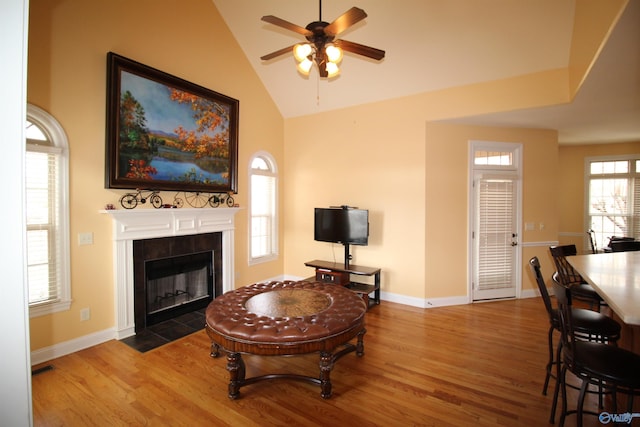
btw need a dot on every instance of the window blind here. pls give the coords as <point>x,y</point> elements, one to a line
<point>262,215</point>
<point>495,228</point>
<point>43,264</point>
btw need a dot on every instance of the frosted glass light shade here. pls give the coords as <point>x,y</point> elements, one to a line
<point>334,54</point>
<point>304,66</point>
<point>301,51</point>
<point>332,69</point>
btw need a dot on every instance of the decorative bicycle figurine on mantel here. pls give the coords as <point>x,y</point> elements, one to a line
<point>131,200</point>
<point>200,200</point>
<point>193,199</point>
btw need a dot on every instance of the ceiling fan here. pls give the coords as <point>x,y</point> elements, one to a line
<point>322,46</point>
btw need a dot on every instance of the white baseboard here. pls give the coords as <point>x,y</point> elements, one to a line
<point>530,293</point>
<point>57,350</point>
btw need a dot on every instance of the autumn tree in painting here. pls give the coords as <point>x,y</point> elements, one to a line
<point>133,124</point>
<point>211,135</point>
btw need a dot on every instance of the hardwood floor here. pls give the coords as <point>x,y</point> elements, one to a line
<point>471,365</point>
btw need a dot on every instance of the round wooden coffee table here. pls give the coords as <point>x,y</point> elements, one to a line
<point>285,318</point>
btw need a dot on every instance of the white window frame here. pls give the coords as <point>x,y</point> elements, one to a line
<point>56,135</point>
<point>272,172</point>
<point>633,176</point>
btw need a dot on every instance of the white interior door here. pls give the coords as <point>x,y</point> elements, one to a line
<point>495,237</point>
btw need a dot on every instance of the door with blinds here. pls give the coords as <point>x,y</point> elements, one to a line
<point>495,238</point>
<point>495,223</point>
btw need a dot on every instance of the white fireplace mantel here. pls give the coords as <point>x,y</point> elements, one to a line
<point>130,225</point>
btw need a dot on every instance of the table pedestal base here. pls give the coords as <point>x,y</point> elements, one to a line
<point>237,368</point>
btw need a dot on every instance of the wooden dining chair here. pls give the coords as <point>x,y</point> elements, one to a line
<point>605,366</point>
<point>588,325</point>
<point>570,278</point>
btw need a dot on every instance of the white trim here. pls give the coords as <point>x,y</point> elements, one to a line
<point>58,138</point>
<point>130,225</point>
<point>539,244</point>
<point>16,405</point>
<point>514,171</point>
<point>587,179</point>
<point>273,172</point>
<point>62,349</point>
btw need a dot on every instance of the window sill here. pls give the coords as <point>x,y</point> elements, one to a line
<point>49,308</point>
<point>263,259</point>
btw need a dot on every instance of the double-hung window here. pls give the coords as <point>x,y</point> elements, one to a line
<point>46,169</point>
<point>613,200</point>
<point>263,222</point>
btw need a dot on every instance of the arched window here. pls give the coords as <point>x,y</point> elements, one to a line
<point>263,219</point>
<point>47,210</point>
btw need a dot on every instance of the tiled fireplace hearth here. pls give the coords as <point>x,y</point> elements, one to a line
<point>134,225</point>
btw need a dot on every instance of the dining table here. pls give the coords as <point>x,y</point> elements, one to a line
<point>616,278</point>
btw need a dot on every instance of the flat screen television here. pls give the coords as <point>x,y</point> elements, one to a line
<point>348,226</point>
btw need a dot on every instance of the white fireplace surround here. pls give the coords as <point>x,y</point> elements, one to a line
<point>130,225</point>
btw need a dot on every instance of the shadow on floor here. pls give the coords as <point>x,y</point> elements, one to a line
<point>164,332</point>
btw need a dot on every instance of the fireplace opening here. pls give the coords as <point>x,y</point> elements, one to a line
<point>178,285</point>
<point>174,276</point>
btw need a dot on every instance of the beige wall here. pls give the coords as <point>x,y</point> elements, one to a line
<point>68,44</point>
<point>371,157</point>
<point>413,177</point>
<point>571,188</point>
<point>447,223</point>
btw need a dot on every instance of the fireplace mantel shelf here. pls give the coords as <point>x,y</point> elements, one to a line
<point>137,224</point>
<point>149,223</point>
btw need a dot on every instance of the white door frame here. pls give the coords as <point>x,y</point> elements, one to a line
<point>514,169</point>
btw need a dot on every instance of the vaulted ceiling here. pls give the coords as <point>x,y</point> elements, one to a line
<point>440,44</point>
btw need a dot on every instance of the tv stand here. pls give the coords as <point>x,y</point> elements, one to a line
<point>347,256</point>
<point>361,288</point>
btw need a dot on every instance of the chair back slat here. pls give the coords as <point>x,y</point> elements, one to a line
<point>563,298</point>
<point>592,241</point>
<point>568,275</point>
<point>534,264</point>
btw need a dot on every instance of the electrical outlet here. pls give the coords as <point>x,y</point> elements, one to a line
<point>85,314</point>
<point>85,238</point>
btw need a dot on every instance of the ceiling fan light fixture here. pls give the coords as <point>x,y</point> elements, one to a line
<point>322,46</point>
<point>332,69</point>
<point>304,66</point>
<point>302,51</point>
<point>334,53</point>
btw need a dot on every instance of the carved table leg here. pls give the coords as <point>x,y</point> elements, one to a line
<point>360,342</point>
<point>326,363</point>
<point>235,366</point>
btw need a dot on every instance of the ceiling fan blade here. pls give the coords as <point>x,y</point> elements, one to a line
<point>286,25</point>
<point>360,49</point>
<point>344,21</point>
<point>277,53</point>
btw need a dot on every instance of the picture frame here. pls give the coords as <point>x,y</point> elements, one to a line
<point>165,133</point>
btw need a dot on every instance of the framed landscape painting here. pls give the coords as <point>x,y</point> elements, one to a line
<point>165,133</point>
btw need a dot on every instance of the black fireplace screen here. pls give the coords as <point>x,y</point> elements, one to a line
<point>173,284</point>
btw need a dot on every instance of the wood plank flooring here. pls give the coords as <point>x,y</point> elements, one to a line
<point>471,365</point>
